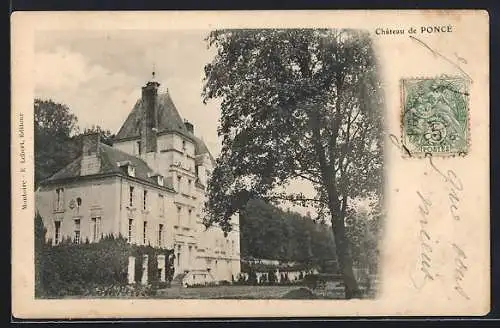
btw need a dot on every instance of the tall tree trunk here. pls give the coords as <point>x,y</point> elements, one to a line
<point>338,225</point>
<point>344,257</point>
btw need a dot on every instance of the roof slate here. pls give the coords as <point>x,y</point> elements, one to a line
<point>168,120</point>
<point>109,158</point>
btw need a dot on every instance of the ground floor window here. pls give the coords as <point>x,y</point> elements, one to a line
<point>96,228</point>
<point>160,234</point>
<point>144,233</point>
<point>130,229</point>
<point>57,232</point>
<point>178,255</point>
<point>76,233</point>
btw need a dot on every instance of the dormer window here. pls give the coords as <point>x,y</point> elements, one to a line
<point>139,147</point>
<point>158,178</point>
<point>127,167</point>
<point>179,183</point>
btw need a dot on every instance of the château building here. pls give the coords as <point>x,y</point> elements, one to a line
<point>149,187</point>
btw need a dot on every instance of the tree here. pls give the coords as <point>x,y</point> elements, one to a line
<point>267,231</point>
<point>40,242</point>
<point>363,229</point>
<point>296,104</point>
<point>54,127</point>
<point>58,138</point>
<point>106,135</point>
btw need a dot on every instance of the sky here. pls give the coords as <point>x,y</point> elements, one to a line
<point>99,74</point>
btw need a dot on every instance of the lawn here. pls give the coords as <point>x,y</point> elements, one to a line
<point>236,292</point>
<point>240,292</point>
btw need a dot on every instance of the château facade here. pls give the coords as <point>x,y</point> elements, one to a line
<point>148,187</point>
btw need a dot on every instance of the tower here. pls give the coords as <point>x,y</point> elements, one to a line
<point>150,116</point>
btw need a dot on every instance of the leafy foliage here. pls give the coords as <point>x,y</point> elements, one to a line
<point>271,233</point>
<point>106,135</point>
<point>40,245</point>
<point>58,138</point>
<point>296,104</point>
<point>54,127</point>
<point>363,230</point>
<point>80,269</point>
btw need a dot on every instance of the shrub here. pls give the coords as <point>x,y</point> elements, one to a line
<point>93,269</point>
<point>271,277</point>
<point>301,293</point>
<point>252,278</point>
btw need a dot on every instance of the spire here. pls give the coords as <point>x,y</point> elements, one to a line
<point>152,81</point>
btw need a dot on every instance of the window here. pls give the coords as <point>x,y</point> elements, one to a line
<point>76,233</point>
<point>59,199</point>
<point>78,202</point>
<point>160,234</point>
<point>232,247</point>
<point>160,180</point>
<point>179,183</point>
<point>131,196</point>
<point>144,233</point>
<point>139,149</point>
<point>189,187</point>
<point>144,203</point>
<point>130,229</point>
<point>161,205</point>
<point>190,249</point>
<point>131,170</point>
<point>57,232</point>
<point>189,216</point>
<point>179,209</point>
<point>95,225</point>
<point>178,255</point>
<point>183,144</point>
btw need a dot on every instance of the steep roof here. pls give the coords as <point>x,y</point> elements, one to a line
<point>168,120</point>
<point>109,158</point>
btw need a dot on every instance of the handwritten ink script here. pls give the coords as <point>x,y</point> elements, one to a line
<point>425,261</point>
<point>427,270</point>
<point>22,161</point>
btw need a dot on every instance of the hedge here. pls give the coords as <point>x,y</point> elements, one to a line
<point>93,268</point>
<point>153,274</point>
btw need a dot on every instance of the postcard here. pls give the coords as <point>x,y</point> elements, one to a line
<point>250,164</point>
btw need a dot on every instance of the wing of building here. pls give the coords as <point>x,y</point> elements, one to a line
<point>149,187</point>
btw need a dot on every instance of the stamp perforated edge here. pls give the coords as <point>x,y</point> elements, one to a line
<point>421,155</point>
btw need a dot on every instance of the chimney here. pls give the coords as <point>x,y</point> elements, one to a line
<point>189,126</point>
<point>149,118</point>
<point>91,161</point>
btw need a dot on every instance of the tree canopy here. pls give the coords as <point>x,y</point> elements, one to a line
<point>58,137</point>
<point>269,232</point>
<point>296,104</point>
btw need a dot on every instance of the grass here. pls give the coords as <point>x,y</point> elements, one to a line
<point>231,292</point>
<point>242,292</point>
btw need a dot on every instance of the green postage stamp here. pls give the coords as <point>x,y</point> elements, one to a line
<point>435,116</point>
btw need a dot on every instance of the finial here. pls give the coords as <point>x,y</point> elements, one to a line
<point>153,73</point>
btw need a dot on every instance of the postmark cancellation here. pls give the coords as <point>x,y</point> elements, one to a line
<point>435,116</point>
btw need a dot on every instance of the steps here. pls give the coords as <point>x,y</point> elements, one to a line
<point>177,281</point>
